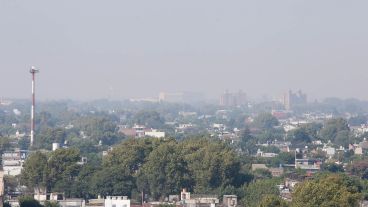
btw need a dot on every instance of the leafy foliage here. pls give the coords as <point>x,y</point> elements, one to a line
<point>332,127</point>
<point>112,181</point>
<point>332,190</point>
<point>35,172</point>
<point>26,201</point>
<point>166,171</point>
<point>151,119</point>
<point>56,171</point>
<point>332,167</point>
<point>51,204</point>
<point>265,121</point>
<point>273,201</point>
<point>159,167</point>
<point>256,191</point>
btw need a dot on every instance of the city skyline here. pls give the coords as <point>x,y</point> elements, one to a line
<point>130,49</point>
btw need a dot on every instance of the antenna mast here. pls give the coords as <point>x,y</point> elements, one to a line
<point>33,71</point>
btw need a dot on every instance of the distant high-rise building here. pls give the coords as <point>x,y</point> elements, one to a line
<point>233,99</point>
<point>181,97</point>
<point>291,99</point>
<point>170,97</point>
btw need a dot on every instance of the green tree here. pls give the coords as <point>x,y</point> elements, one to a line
<point>256,191</point>
<point>112,181</point>
<point>212,164</point>
<point>312,129</point>
<point>265,121</point>
<point>132,153</point>
<point>299,136</point>
<point>83,185</point>
<point>166,171</point>
<point>273,201</point>
<point>332,127</point>
<point>26,201</point>
<point>11,184</point>
<point>23,143</point>
<point>166,205</point>
<point>4,144</point>
<point>100,128</point>
<point>332,167</point>
<point>269,135</point>
<point>331,190</point>
<point>6,204</point>
<point>49,136</point>
<point>343,138</point>
<point>262,174</point>
<point>51,204</point>
<point>365,174</point>
<point>283,158</point>
<point>248,143</point>
<point>358,120</point>
<point>63,169</point>
<point>35,172</point>
<point>358,168</point>
<point>151,119</point>
<point>45,119</point>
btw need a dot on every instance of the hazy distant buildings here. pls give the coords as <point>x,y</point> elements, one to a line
<point>291,99</point>
<point>171,97</point>
<point>138,131</point>
<point>5,102</point>
<point>233,99</point>
<point>150,100</point>
<point>181,97</point>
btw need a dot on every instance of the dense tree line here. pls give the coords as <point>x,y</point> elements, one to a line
<point>158,167</point>
<point>161,167</point>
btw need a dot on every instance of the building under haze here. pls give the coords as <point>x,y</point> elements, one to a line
<point>181,97</point>
<point>233,99</point>
<point>290,99</point>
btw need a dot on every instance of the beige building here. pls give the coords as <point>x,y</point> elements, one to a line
<point>196,200</point>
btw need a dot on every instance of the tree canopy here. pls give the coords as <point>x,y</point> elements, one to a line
<point>159,167</point>
<point>330,190</point>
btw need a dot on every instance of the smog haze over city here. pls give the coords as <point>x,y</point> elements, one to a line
<point>92,49</point>
<point>183,103</point>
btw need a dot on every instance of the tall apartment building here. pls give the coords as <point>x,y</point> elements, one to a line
<point>291,99</point>
<point>233,99</point>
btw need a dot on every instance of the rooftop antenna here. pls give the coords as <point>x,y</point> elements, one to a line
<point>33,71</point>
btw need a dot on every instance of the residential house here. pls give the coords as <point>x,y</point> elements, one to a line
<point>198,200</point>
<point>276,172</point>
<point>308,164</point>
<point>117,201</point>
<point>12,161</point>
<point>259,166</point>
<point>154,133</point>
<point>265,154</point>
<point>230,201</point>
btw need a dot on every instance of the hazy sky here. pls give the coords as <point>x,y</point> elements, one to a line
<point>137,48</point>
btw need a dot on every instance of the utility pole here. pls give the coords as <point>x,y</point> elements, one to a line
<point>33,71</point>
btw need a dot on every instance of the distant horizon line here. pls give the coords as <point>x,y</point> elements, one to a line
<point>145,99</point>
